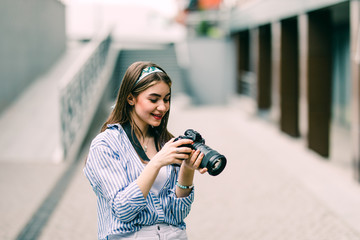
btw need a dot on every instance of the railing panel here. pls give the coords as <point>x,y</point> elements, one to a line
<point>80,93</point>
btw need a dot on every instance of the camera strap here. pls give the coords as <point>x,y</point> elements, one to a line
<point>135,142</point>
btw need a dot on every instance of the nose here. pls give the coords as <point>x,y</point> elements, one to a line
<point>162,106</point>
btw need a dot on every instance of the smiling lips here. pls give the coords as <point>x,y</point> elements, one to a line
<point>157,116</point>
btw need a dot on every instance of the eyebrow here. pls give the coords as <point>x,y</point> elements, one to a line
<point>158,95</point>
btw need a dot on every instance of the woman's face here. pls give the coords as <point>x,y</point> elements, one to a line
<point>151,105</point>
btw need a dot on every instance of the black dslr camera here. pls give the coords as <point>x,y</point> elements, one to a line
<point>213,161</point>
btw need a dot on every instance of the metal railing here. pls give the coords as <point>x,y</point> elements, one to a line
<point>80,93</point>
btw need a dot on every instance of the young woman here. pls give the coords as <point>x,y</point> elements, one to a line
<point>142,178</point>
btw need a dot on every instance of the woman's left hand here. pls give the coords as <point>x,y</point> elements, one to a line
<point>194,161</point>
<point>187,170</point>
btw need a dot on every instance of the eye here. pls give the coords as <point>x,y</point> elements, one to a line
<point>153,100</point>
<point>166,100</point>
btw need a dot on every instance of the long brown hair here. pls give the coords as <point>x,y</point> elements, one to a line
<point>122,111</point>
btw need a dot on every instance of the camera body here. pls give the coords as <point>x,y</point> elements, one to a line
<point>212,160</point>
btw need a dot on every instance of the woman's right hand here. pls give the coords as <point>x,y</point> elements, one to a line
<point>172,153</point>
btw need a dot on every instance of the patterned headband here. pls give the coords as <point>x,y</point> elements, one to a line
<point>147,71</point>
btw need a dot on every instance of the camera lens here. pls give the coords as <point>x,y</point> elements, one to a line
<point>213,161</point>
<point>215,164</point>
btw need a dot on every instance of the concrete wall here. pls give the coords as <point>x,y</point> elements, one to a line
<point>32,39</point>
<point>212,70</point>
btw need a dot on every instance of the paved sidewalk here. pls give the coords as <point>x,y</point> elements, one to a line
<point>23,186</point>
<point>272,187</point>
<point>29,159</point>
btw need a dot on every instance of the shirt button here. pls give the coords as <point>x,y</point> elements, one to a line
<point>158,228</point>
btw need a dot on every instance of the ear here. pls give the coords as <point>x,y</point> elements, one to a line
<point>131,100</point>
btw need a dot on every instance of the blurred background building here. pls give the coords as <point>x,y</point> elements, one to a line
<point>298,61</point>
<point>295,62</point>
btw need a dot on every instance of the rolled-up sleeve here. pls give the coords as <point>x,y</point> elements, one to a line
<point>177,209</point>
<point>108,177</point>
<point>128,203</point>
<point>180,207</point>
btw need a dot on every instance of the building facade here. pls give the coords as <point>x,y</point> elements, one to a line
<point>299,61</point>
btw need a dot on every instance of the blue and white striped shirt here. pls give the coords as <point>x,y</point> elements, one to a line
<point>112,168</point>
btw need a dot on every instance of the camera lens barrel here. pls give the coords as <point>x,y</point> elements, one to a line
<point>213,161</point>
